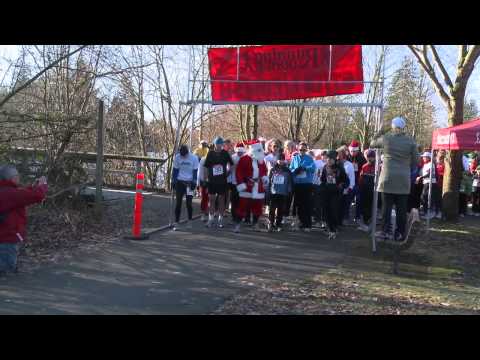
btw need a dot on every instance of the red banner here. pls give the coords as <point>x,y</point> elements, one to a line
<point>285,72</point>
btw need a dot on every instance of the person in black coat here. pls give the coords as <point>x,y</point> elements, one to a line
<point>334,181</point>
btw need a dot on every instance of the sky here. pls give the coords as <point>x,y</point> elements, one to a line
<point>396,54</point>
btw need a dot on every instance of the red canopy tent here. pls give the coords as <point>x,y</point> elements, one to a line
<point>460,137</point>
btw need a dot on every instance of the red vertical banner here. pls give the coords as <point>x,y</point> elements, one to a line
<point>285,72</point>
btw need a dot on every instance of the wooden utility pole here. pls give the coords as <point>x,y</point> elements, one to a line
<point>99,167</point>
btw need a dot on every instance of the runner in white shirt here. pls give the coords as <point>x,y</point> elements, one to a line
<point>348,192</point>
<point>185,170</point>
<point>270,159</point>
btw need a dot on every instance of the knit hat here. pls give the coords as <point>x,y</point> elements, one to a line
<point>427,154</point>
<point>240,147</point>
<point>332,154</point>
<point>354,146</point>
<point>398,122</point>
<point>8,172</point>
<point>218,141</point>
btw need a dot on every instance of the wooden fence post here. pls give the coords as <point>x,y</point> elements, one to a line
<point>99,166</point>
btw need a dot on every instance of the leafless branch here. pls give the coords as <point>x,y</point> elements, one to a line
<point>27,83</point>
<point>446,77</point>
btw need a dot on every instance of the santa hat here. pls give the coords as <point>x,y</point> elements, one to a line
<point>254,144</point>
<point>354,146</point>
<point>240,147</point>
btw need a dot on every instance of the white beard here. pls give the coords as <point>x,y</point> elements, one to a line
<point>259,156</point>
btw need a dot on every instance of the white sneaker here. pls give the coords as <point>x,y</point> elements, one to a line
<point>429,216</point>
<point>438,216</point>
<point>256,227</point>
<point>307,230</point>
<point>270,227</point>
<point>220,222</point>
<point>175,226</point>
<point>363,227</point>
<point>236,229</point>
<point>332,235</point>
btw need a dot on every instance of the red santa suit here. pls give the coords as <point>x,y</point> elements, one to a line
<point>252,179</point>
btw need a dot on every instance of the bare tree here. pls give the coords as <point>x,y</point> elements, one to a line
<point>452,94</point>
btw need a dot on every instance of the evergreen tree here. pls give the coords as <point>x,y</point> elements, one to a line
<point>470,110</point>
<point>408,96</point>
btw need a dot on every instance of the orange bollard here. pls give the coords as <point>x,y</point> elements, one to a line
<point>137,213</point>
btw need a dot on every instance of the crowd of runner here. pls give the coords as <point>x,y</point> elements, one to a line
<point>292,185</point>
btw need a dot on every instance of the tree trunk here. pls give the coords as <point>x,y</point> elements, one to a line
<point>255,122</point>
<point>247,124</point>
<point>453,164</point>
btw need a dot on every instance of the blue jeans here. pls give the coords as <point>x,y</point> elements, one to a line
<point>8,257</point>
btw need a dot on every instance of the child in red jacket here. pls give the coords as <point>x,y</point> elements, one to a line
<point>13,216</point>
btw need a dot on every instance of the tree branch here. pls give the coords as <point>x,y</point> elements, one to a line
<point>48,67</point>
<point>425,64</point>
<point>446,77</point>
<point>467,67</point>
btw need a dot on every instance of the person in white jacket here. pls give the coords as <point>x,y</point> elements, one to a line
<point>348,192</point>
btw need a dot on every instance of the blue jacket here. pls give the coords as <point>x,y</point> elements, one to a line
<point>305,161</point>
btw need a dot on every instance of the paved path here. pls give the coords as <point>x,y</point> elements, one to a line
<point>183,272</point>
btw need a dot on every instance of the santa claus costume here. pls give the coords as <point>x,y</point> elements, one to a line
<point>252,181</point>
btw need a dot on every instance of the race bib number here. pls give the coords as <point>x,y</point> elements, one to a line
<point>217,170</point>
<point>278,179</point>
<point>302,175</point>
<point>331,180</point>
<point>355,167</point>
<point>189,191</point>
<point>475,183</point>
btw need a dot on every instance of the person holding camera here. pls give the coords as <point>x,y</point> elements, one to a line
<point>13,214</point>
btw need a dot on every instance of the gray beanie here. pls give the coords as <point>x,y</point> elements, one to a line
<point>8,172</point>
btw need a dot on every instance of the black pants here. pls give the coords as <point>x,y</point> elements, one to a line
<point>180,191</point>
<point>234,199</point>
<point>331,205</point>
<point>414,199</point>
<point>318,208</point>
<point>366,194</point>
<point>436,198</point>
<point>277,207</point>
<point>303,200</point>
<point>400,201</point>
<point>476,200</point>
<point>290,205</point>
<point>344,211</point>
<point>462,203</point>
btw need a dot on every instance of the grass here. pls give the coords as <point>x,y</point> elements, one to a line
<point>439,274</point>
